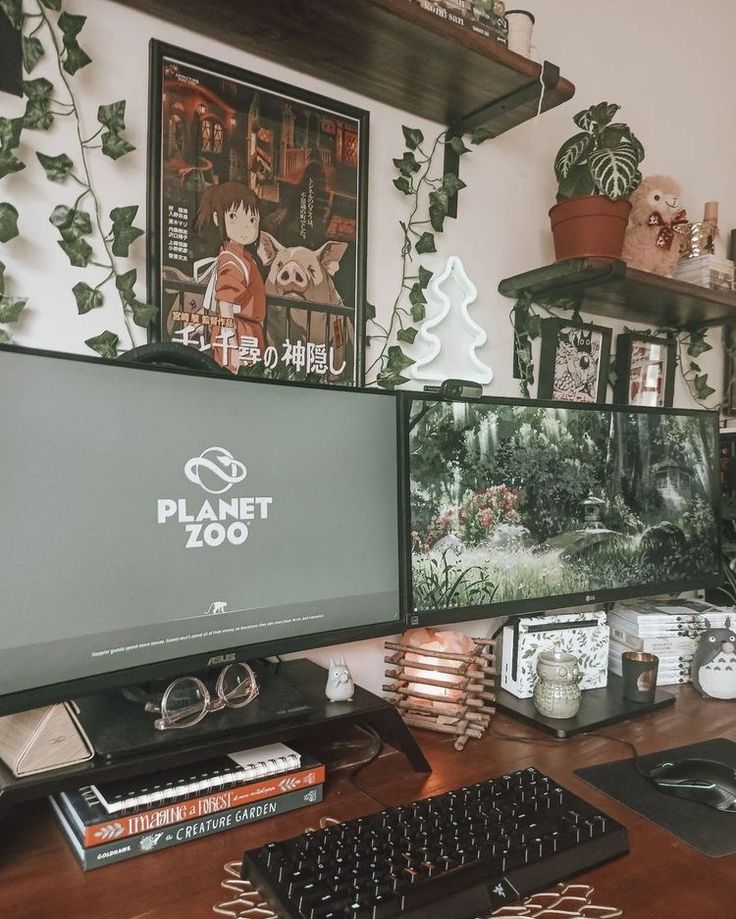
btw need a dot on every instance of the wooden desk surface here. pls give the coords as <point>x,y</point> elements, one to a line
<point>661,878</point>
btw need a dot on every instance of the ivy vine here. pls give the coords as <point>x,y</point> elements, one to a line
<point>526,318</point>
<point>80,222</point>
<point>428,198</point>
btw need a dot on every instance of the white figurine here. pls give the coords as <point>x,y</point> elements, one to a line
<point>340,686</point>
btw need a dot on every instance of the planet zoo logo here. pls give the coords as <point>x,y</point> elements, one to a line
<point>216,521</point>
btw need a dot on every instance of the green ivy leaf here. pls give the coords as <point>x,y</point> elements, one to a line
<point>402,183</point>
<point>416,295</point>
<point>407,335</point>
<point>695,367</point>
<point>437,218</point>
<point>57,168</point>
<point>105,344</point>
<point>75,58</point>
<point>125,283</point>
<point>479,135</point>
<point>425,276</point>
<point>143,313</point>
<point>38,89</point>
<point>389,379</point>
<point>418,312</point>
<point>397,360</point>
<point>13,9</point>
<point>425,243</point>
<point>702,389</point>
<point>369,311</point>
<point>32,52</point>
<point>407,164</point>
<point>88,298</point>
<point>457,145</point>
<point>115,146</point>
<point>123,231</point>
<point>112,116</point>
<point>9,163</point>
<point>54,5</point>
<point>78,251</point>
<point>10,129</point>
<point>533,326</point>
<point>71,25</point>
<point>440,199</point>
<point>5,339</point>
<point>412,136</point>
<point>11,308</point>
<point>8,222</point>
<point>70,222</point>
<point>2,278</point>
<point>698,344</point>
<point>451,184</point>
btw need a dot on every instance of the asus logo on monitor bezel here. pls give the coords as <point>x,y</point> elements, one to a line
<point>221,659</point>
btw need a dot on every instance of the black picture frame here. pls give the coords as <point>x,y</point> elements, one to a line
<point>574,361</point>
<point>306,158</point>
<point>637,355</point>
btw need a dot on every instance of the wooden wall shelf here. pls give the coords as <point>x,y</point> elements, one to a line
<point>607,287</point>
<point>389,50</point>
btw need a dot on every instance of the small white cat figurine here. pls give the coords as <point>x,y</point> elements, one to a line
<point>340,686</point>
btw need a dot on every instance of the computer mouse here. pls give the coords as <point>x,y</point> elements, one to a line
<point>703,780</point>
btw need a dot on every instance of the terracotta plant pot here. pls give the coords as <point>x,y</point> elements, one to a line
<point>593,225</point>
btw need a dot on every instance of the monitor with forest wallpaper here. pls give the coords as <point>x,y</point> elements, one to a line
<point>524,506</point>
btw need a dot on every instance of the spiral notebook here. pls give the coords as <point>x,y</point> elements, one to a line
<point>198,778</point>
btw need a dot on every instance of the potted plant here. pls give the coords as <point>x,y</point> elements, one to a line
<point>597,169</point>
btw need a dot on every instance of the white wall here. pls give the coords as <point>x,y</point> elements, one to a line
<point>670,67</point>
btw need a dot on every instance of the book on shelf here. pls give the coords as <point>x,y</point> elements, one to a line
<point>669,612</point>
<point>654,644</point>
<point>94,825</point>
<point>172,785</point>
<point>145,843</point>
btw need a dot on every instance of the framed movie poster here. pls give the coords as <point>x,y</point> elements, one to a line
<point>645,370</point>
<point>257,219</point>
<point>574,361</point>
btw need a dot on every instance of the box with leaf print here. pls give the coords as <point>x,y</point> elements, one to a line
<point>523,639</point>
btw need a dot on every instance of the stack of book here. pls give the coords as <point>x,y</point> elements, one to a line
<point>670,629</point>
<point>706,271</point>
<point>119,820</point>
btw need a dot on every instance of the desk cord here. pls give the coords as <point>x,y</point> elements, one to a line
<point>372,756</point>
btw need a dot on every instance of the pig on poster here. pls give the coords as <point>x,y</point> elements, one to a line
<point>257,215</point>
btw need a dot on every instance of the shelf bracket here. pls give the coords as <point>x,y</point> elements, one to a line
<point>486,115</point>
<point>10,55</point>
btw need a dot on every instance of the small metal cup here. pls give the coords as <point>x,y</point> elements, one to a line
<point>639,675</point>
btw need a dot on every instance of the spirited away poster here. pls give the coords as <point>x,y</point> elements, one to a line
<point>257,217</point>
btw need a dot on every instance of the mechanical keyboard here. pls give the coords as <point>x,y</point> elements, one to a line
<point>452,856</point>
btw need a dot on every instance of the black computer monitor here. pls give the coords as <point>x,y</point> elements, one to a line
<point>515,506</point>
<point>155,522</point>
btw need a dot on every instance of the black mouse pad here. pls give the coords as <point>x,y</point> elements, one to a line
<point>710,831</point>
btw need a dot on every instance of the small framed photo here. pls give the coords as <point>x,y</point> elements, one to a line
<point>574,362</point>
<point>645,370</point>
<point>257,220</point>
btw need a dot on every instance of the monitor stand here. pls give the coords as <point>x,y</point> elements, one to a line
<point>128,744</point>
<point>598,708</point>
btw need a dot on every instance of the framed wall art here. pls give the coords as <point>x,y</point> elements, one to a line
<point>574,361</point>
<point>257,220</point>
<point>645,370</point>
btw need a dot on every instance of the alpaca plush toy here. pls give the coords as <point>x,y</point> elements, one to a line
<point>653,240</point>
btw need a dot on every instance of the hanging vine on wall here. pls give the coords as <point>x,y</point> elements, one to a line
<point>82,221</point>
<point>428,199</point>
<point>526,318</point>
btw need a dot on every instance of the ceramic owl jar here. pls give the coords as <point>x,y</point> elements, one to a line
<point>714,663</point>
<point>557,694</point>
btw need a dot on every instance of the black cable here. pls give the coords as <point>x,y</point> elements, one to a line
<point>374,754</point>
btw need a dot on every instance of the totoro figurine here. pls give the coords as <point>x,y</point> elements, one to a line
<point>714,663</point>
<point>340,686</point>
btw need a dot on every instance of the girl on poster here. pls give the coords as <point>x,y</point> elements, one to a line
<point>235,289</point>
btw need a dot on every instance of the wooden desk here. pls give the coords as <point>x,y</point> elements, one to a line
<point>661,878</point>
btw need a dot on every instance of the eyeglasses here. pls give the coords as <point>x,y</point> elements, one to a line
<point>187,700</point>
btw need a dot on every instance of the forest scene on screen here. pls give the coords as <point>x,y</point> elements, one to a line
<point>260,220</point>
<point>514,503</point>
